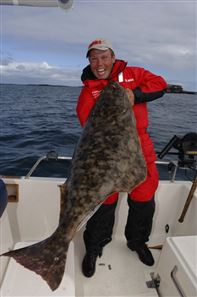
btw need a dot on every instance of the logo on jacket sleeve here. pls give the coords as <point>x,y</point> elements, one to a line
<point>96,93</point>
<point>122,79</point>
<point>129,79</point>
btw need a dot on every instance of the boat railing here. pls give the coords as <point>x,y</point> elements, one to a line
<point>186,152</point>
<point>50,156</point>
<point>171,165</point>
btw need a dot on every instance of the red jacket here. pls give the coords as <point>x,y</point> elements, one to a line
<point>146,87</point>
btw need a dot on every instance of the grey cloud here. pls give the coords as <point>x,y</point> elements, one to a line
<point>155,34</point>
<point>41,73</point>
<point>6,57</point>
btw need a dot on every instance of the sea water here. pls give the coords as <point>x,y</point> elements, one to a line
<point>36,119</point>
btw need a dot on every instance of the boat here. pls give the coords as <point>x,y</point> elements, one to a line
<point>32,214</point>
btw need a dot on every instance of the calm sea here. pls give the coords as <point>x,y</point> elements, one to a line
<point>37,119</point>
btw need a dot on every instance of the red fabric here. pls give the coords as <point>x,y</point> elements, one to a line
<point>111,199</point>
<point>148,82</point>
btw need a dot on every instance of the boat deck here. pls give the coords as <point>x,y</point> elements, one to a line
<point>118,272</point>
<point>19,281</point>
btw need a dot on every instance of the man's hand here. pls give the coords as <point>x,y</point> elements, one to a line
<point>130,96</point>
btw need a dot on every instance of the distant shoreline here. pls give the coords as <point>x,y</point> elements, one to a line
<point>66,86</point>
<point>40,85</point>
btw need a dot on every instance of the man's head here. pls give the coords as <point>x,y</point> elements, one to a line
<point>101,57</point>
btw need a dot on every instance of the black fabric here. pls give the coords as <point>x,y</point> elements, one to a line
<point>139,222</point>
<point>144,254</point>
<point>89,264</point>
<point>99,228</point>
<point>141,97</point>
<point>87,74</point>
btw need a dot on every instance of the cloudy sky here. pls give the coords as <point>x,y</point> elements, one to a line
<point>48,45</point>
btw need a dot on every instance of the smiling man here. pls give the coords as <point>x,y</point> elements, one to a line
<point>142,87</point>
<point>101,60</point>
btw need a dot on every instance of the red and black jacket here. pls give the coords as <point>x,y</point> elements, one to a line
<point>146,87</point>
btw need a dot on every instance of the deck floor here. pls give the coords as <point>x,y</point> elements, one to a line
<point>118,272</point>
<point>19,281</point>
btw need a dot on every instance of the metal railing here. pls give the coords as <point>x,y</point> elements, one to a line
<point>50,156</point>
<point>53,156</point>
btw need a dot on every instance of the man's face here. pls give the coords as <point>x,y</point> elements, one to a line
<point>101,63</point>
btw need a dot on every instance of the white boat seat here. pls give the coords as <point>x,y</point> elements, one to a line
<point>19,281</point>
<point>177,267</point>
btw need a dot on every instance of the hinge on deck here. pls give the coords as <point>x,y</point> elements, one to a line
<point>155,282</point>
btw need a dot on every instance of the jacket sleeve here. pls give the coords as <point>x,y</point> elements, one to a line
<point>84,105</point>
<point>150,86</point>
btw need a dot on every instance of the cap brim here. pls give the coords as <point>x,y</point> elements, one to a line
<point>97,48</point>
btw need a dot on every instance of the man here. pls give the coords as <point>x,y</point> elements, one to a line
<point>142,86</point>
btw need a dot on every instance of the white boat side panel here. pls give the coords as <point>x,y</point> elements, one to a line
<point>36,215</point>
<point>20,281</point>
<point>189,225</point>
<point>170,199</point>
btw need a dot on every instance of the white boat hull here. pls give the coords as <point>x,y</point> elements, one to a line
<point>35,216</point>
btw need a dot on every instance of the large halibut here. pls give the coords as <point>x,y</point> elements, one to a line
<point>107,159</point>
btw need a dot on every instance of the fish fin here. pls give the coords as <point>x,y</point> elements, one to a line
<point>63,196</point>
<point>46,258</point>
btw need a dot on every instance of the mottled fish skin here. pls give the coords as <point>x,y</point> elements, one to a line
<point>107,159</point>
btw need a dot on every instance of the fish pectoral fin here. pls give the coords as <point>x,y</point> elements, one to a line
<point>44,259</point>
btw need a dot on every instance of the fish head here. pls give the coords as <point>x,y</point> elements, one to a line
<point>113,101</point>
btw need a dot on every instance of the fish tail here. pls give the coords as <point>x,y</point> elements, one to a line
<point>46,258</point>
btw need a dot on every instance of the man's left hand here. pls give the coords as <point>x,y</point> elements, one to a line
<point>130,96</point>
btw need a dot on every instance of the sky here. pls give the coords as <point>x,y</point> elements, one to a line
<point>48,45</point>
